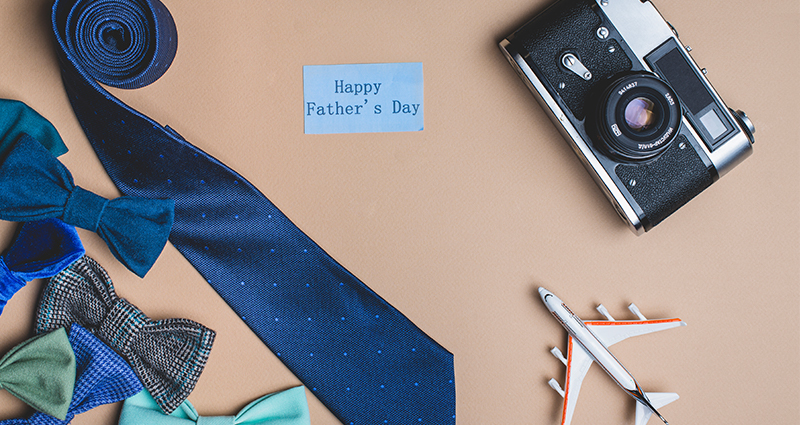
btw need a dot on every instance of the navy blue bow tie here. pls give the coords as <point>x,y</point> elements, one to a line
<point>361,357</point>
<point>41,249</point>
<point>34,185</point>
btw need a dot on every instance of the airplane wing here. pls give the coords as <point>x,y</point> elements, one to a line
<point>578,362</point>
<point>609,333</point>
<point>612,332</point>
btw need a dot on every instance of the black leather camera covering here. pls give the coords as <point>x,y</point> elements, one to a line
<point>571,26</point>
<point>665,184</point>
<point>657,186</point>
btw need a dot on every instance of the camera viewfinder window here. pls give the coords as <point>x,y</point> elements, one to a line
<point>713,124</point>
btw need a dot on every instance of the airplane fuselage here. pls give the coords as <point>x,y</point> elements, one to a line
<point>596,349</point>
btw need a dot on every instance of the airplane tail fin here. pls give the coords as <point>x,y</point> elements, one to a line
<point>658,400</point>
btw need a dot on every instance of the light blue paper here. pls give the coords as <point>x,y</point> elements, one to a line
<point>363,98</point>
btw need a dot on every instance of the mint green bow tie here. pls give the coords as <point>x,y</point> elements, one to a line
<point>282,408</point>
<point>41,372</point>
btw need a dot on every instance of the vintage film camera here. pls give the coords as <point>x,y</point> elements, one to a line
<point>633,104</point>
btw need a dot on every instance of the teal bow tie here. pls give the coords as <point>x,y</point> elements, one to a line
<point>17,118</point>
<point>282,408</point>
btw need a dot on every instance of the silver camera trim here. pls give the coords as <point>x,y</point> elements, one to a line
<point>644,29</point>
<point>568,131</point>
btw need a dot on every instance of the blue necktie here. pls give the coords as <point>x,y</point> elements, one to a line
<point>361,357</point>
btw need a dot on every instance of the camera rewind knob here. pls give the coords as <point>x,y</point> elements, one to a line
<point>745,123</point>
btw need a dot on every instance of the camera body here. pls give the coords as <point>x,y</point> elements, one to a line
<point>633,104</point>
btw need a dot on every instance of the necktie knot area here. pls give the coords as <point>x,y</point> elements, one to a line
<point>84,209</point>
<point>216,420</point>
<point>121,325</point>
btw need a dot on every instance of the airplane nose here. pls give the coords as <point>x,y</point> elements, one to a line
<point>544,293</point>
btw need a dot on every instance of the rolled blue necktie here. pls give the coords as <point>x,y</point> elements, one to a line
<point>282,408</point>
<point>102,377</point>
<point>34,185</point>
<point>41,249</point>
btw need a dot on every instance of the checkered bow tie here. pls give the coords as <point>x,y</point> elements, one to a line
<point>360,356</point>
<point>167,355</point>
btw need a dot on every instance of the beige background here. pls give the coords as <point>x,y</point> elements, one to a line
<point>458,224</point>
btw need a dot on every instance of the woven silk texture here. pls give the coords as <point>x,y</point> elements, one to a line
<point>357,354</point>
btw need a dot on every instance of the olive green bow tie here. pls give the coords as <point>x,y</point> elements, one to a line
<point>41,372</point>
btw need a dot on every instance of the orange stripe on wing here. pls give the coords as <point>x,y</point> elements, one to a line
<point>631,322</point>
<point>566,381</point>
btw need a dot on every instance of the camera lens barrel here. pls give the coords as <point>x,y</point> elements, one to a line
<point>638,116</point>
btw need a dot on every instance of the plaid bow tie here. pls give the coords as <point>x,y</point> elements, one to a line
<point>167,355</point>
<point>101,377</point>
<point>42,249</point>
<point>34,185</point>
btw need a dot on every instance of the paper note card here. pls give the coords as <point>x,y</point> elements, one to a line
<point>363,98</point>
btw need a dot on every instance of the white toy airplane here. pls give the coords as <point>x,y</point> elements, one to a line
<point>588,342</point>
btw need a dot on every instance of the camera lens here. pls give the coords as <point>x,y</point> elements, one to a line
<point>637,116</point>
<point>640,114</point>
